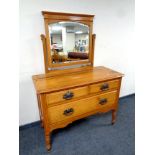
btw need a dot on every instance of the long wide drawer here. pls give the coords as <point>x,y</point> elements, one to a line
<point>66,95</point>
<point>71,109</point>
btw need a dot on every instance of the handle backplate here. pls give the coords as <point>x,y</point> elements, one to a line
<point>105,86</point>
<point>69,95</point>
<point>68,112</point>
<point>103,101</point>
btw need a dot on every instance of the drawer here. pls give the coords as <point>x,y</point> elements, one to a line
<point>66,95</point>
<point>104,86</point>
<point>75,108</point>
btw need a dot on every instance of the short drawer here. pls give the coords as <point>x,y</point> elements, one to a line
<point>75,108</point>
<point>66,95</point>
<point>104,86</point>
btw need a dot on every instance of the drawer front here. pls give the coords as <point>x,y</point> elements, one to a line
<point>75,108</point>
<point>104,86</point>
<point>66,95</point>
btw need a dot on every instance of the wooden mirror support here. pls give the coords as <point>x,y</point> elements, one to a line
<point>66,95</point>
<point>52,17</point>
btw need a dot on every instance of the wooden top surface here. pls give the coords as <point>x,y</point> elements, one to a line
<point>50,83</point>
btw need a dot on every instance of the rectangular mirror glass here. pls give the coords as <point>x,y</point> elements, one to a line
<point>69,41</point>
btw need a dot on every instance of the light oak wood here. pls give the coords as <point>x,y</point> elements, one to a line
<point>47,128</point>
<point>93,48</point>
<point>43,38</point>
<point>85,105</point>
<point>113,116</point>
<point>58,96</point>
<point>40,110</point>
<point>82,91</point>
<point>72,80</point>
<point>59,14</point>
<point>72,119</point>
<point>66,95</point>
<point>53,17</point>
<point>111,85</point>
<point>86,84</point>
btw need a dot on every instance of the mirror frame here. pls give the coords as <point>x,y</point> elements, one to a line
<point>53,17</point>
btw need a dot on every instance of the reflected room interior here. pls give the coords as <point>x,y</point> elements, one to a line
<point>69,41</point>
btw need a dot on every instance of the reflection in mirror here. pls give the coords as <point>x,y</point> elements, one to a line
<point>69,41</point>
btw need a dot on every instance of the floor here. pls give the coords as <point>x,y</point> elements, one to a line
<point>90,136</point>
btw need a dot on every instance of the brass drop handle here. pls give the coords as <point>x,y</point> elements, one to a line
<point>69,95</point>
<point>68,112</point>
<point>103,101</point>
<point>105,86</point>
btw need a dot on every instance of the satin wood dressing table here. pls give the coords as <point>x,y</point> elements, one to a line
<point>71,87</point>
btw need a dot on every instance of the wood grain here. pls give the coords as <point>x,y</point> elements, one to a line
<point>84,105</point>
<point>72,80</point>
<point>58,96</point>
<point>53,17</point>
<point>87,84</point>
<point>111,85</point>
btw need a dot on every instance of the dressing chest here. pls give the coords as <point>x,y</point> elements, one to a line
<point>72,88</point>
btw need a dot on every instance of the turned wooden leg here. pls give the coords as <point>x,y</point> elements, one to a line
<point>40,111</point>
<point>113,116</point>
<point>42,124</point>
<point>48,142</point>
